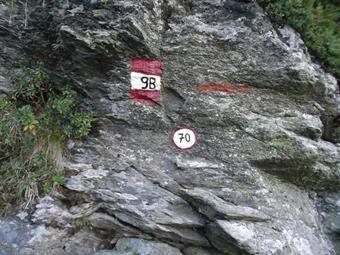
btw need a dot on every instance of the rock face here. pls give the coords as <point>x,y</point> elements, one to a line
<point>263,154</point>
<point>22,238</point>
<point>138,246</point>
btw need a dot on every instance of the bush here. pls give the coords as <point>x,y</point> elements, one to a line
<point>36,120</point>
<point>318,23</point>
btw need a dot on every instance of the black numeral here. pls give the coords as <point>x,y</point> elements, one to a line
<point>186,137</point>
<point>145,80</point>
<point>149,82</point>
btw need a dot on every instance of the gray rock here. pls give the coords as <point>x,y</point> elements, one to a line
<point>199,251</point>
<point>5,87</point>
<point>51,212</point>
<point>159,212</point>
<point>107,252</point>
<point>13,235</point>
<point>257,238</point>
<point>21,238</point>
<point>143,247</point>
<point>133,246</point>
<point>216,208</point>
<point>329,206</point>
<point>106,222</point>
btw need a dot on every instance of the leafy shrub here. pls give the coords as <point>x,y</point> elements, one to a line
<point>35,121</point>
<point>27,119</point>
<point>76,124</point>
<point>318,23</point>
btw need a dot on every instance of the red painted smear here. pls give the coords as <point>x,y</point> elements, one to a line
<point>147,66</point>
<point>225,87</point>
<point>146,96</point>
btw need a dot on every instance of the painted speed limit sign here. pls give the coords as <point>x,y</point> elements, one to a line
<point>184,138</point>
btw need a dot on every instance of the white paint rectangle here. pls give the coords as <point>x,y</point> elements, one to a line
<point>145,81</point>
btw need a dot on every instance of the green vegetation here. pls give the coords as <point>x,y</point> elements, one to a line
<point>317,21</point>
<point>84,223</point>
<point>105,4</point>
<point>36,120</point>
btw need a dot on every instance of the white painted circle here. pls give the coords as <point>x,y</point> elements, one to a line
<point>184,138</point>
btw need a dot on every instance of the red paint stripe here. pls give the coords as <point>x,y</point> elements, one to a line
<point>146,96</point>
<point>226,87</point>
<point>147,66</point>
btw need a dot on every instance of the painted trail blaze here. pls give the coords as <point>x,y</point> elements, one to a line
<point>225,87</point>
<point>146,80</point>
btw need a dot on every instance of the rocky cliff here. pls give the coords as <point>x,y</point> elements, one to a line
<point>264,175</point>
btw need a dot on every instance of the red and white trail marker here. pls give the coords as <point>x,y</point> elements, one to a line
<point>146,80</point>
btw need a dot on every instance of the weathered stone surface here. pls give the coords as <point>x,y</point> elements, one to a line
<point>107,222</point>
<point>22,238</point>
<point>199,251</point>
<point>107,252</point>
<point>258,238</point>
<point>4,85</point>
<point>132,246</point>
<point>216,208</point>
<point>110,252</point>
<point>50,212</point>
<point>245,188</point>
<point>9,48</point>
<point>330,213</point>
<point>158,211</point>
<point>144,247</point>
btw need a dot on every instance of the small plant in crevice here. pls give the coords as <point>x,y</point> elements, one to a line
<point>36,120</point>
<point>105,4</point>
<point>84,223</point>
